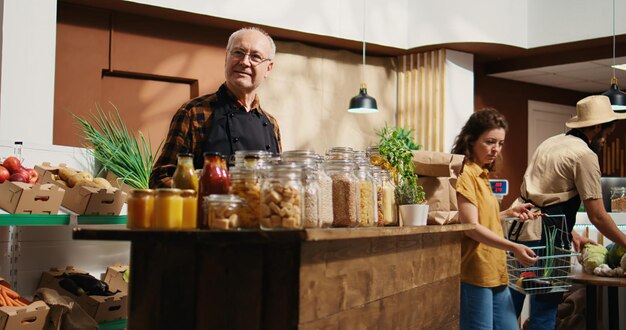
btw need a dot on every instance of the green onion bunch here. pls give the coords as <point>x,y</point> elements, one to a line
<point>109,141</point>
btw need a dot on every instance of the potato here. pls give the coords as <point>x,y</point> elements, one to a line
<point>102,183</point>
<point>86,183</point>
<point>65,173</point>
<point>74,179</point>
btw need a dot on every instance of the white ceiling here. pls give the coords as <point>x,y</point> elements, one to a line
<point>591,77</point>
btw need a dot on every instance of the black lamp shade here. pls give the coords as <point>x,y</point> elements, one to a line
<point>617,98</point>
<point>363,103</point>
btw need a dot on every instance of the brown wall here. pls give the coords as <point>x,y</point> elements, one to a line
<point>511,98</point>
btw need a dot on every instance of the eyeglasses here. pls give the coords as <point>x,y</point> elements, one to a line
<point>255,58</point>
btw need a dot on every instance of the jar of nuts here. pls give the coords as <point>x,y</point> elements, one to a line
<point>223,211</point>
<point>281,197</point>
<point>618,199</point>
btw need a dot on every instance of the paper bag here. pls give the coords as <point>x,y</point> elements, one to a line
<point>437,173</point>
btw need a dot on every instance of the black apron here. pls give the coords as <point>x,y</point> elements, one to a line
<point>232,128</point>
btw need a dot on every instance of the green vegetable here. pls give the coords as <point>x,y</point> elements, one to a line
<point>593,256</point>
<point>615,255</point>
<point>119,151</point>
<point>395,146</point>
<point>126,275</point>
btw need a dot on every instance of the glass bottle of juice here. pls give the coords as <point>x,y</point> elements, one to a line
<point>140,209</point>
<point>213,180</point>
<point>185,176</point>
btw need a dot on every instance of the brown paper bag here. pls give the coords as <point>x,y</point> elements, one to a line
<point>437,173</point>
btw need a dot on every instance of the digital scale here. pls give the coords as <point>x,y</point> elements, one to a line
<point>500,187</point>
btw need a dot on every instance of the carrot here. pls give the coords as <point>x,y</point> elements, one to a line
<point>10,292</point>
<point>9,301</point>
<point>2,302</point>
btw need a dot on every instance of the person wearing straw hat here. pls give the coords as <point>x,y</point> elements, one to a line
<point>563,172</point>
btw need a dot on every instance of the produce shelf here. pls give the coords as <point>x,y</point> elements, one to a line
<point>34,219</point>
<point>112,325</point>
<point>101,219</point>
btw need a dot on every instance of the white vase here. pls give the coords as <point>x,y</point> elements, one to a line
<point>414,214</point>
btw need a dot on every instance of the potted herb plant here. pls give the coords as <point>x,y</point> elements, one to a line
<point>395,146</point>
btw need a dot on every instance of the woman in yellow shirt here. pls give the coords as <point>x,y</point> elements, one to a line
<point>486,302</point>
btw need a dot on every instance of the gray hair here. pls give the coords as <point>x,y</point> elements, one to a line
<point>252,28</point>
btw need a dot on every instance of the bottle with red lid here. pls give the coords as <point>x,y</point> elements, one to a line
<point>213,180</point>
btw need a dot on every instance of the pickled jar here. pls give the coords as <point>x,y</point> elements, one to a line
<point>618,199</point>
<point>390,208</point>
<point>367,196</point>
<point>213,180</point>
<point>140,213</point>
<point>168,208</point>
<point>245,183</point>
<point>190,208</point>
<point>185,176</point>
<point>281,197</point>
<point>345,188</point>
<point>223,211</point>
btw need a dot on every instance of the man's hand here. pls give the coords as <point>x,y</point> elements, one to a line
<point>578,241</point>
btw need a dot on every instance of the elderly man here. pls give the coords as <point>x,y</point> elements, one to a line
<point>230,119</point>
<point>564,171</point>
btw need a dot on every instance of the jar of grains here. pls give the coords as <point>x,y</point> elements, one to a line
<point>390,209</point>
<point>311,201</point>
<point>345,188</point>
<point>326,195</point>
<point>223,211</point>
<point>281,197</point>
<point>618,199</point>
<point>367,195</point>
<point>246,183</point>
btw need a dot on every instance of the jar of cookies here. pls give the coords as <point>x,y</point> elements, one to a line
<point>245,183</point>
<point>223,211</point>
<point>281,197</point>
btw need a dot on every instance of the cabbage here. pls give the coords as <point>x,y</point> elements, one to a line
<point>593,256</point>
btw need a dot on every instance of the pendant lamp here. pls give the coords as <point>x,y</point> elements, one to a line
<point>363,103</point>
<point>616,96</point>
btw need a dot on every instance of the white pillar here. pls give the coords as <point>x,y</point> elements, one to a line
<point>459,94</point>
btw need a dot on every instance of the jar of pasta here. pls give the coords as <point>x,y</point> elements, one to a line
<point>223,211</point>
<point>245,183</point>
<point>140,213</point>
<point>168,209</point>
<point>618,199</point>
<point>281,197</point>
<point>345,192</point>
<point>367,195</point>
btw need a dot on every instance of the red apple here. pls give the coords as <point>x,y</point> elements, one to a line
<point>33,175</point>
<point>12,164</point>
<point>4,174</point>
<point>19,177</point>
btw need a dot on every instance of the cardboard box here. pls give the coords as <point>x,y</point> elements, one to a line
<point>114,278</point>
<point>84,200</point>
<point>31,317</point>
<point>27,198</point>
<point>100,308</point>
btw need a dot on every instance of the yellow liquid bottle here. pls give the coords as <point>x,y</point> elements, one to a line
<point>185,175</point>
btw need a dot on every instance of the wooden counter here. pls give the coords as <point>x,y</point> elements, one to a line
<point>393,277</point>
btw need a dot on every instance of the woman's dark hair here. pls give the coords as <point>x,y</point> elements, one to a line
<point>479,122</point>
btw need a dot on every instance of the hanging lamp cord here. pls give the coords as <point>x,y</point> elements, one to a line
<point>363,68</point>
<point>614,78</point>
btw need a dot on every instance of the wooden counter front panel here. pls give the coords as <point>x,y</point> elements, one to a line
<point>386,282</point>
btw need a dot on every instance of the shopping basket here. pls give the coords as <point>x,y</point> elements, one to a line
<point>553,270</point>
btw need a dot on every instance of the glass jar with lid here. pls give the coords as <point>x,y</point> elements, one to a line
<point>168,209</point>
<point>618,199</point>
<point>345,192</point>
<point>311,197</point>
<point>340,153</point>
<point>213,180</point>
<point>245,183</point>
<point>223,211</point>
<point>281,197</point>
<point>367,195</point>
<point>253,159</point>
<point>185,175</point>
<point>140,213</point>
<point>390,209</point>
<point>377,175</point>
